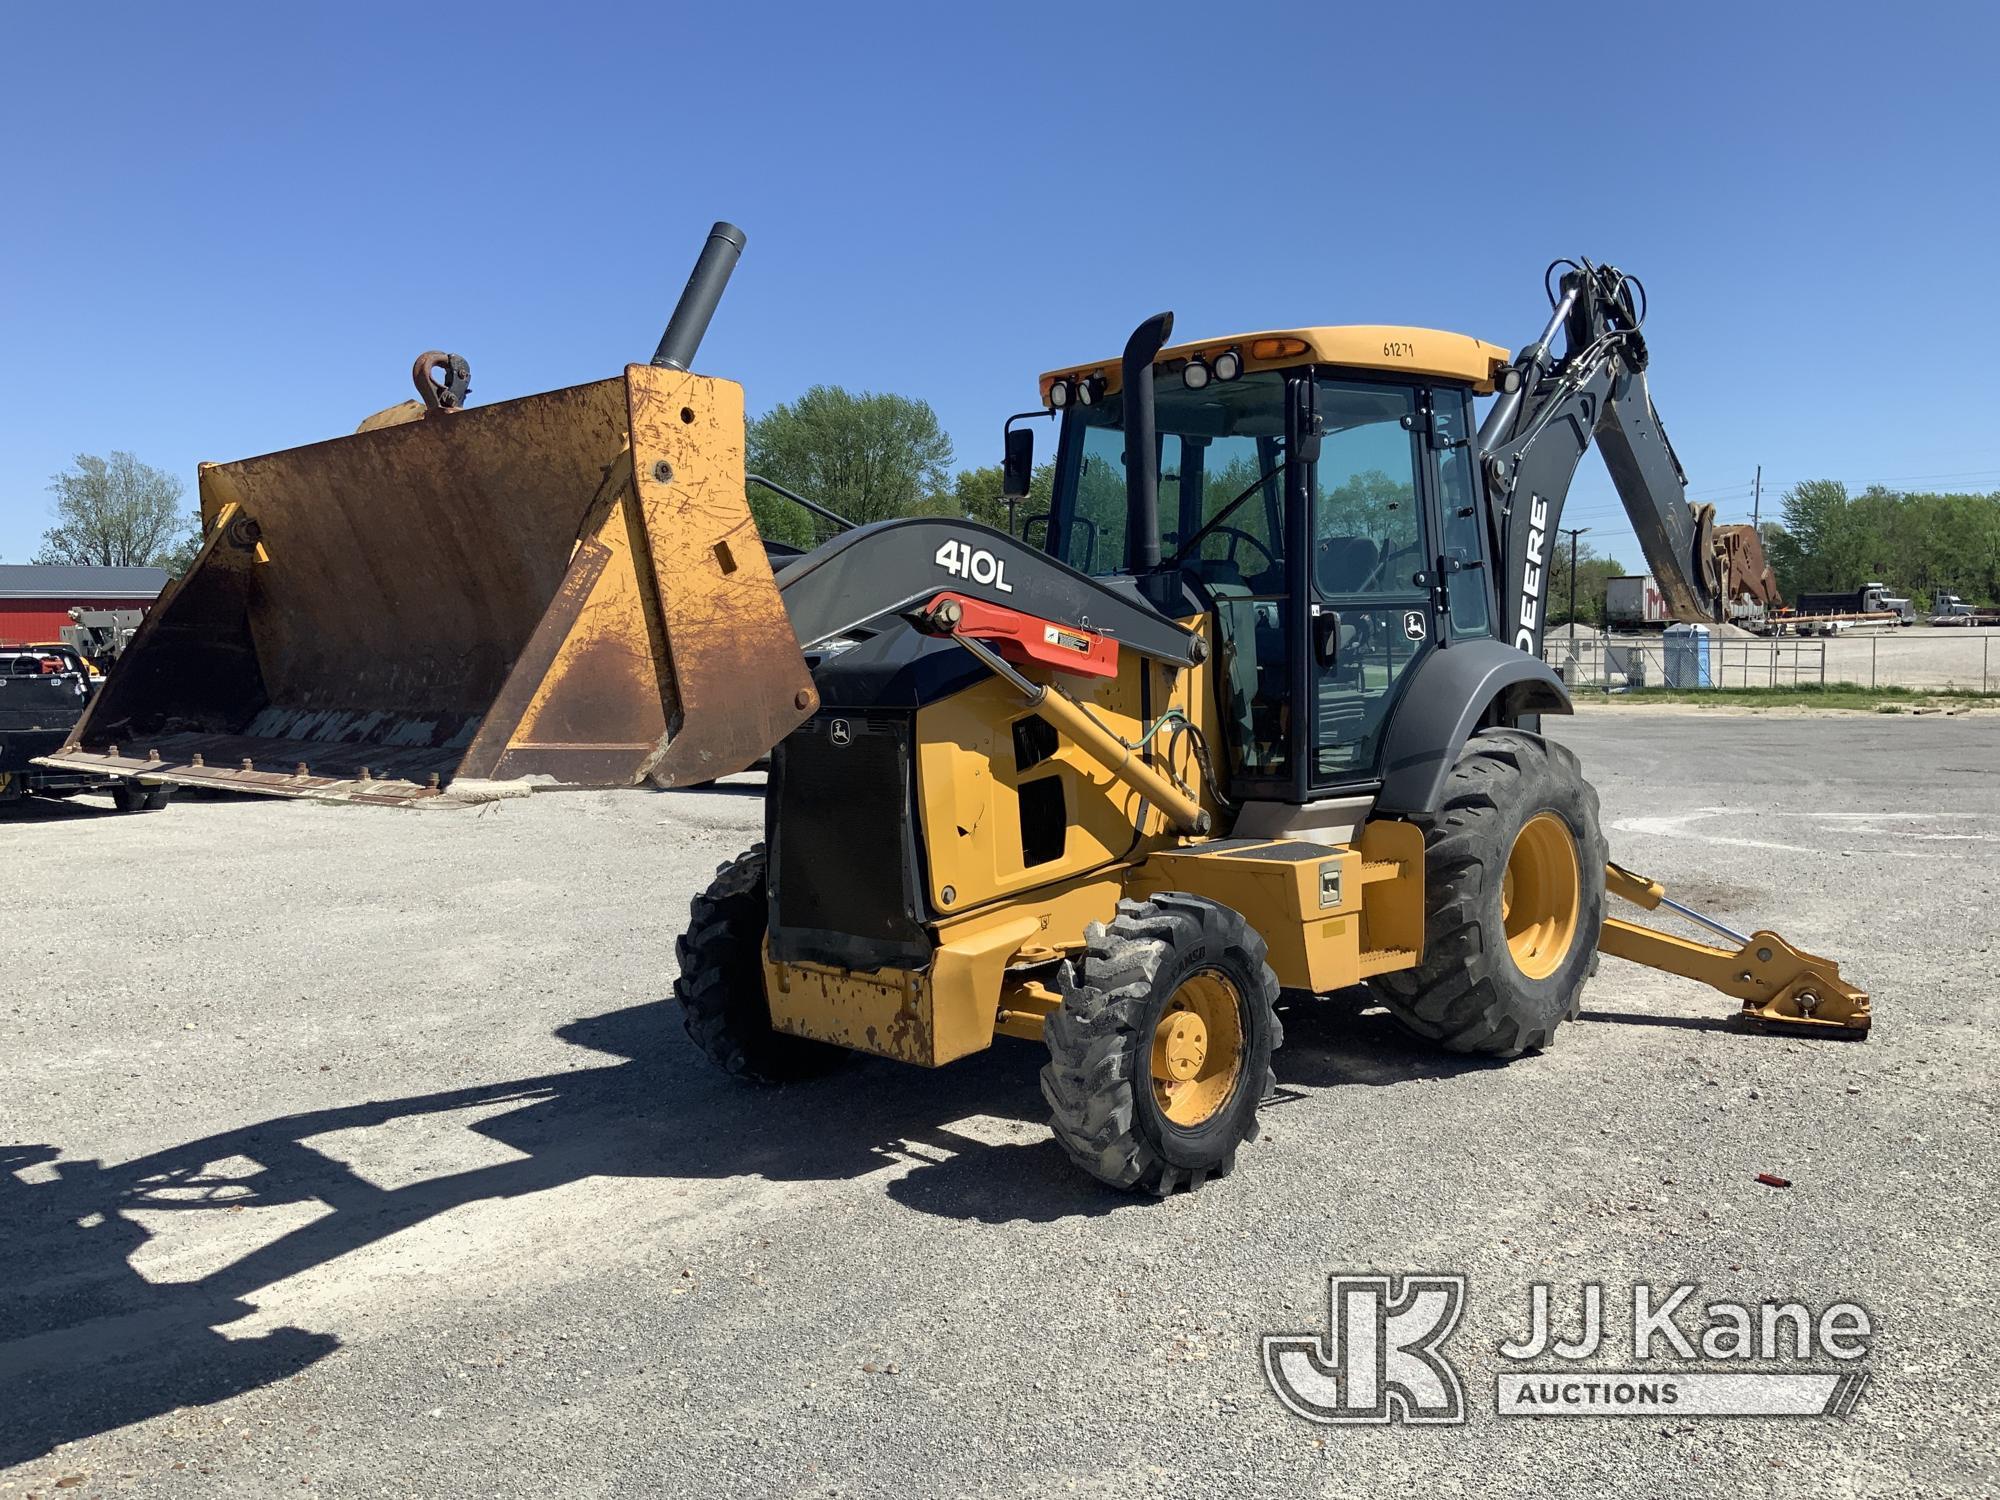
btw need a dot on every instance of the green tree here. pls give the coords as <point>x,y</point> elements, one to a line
<point>1593,577</point>
<point>118,513</point>
<point>1917,544</point>
<point>865,455</point>
<point>975,494</point>
<point>1817,546</point>
<point>1371,504</point>
<point>178,558</point>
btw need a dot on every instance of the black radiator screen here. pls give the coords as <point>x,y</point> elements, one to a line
<point>843,854</point>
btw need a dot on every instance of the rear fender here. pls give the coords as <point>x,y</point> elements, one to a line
<point>1464,687</point>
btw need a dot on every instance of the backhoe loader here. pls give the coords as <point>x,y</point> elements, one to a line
<point>1254,716</point>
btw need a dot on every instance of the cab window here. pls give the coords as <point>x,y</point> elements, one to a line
<point>1217,445</point>
<point>1223,481</point>
<point>1368,558</point>
<point>1464,536</point>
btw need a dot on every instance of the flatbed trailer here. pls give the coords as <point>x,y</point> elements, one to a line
<point>1786,622</point>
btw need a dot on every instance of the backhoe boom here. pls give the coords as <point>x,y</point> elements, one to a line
<point>1548,413</point>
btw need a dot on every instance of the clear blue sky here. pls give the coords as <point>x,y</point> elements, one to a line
<point>228,229</point>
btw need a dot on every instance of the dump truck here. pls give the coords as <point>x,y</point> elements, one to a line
<point>1829,613</point>
<point>1260,719</point>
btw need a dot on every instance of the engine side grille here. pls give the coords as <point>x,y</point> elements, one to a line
<point>843,853</point>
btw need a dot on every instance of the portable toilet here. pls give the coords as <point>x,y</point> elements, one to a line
<point>1690,661</point>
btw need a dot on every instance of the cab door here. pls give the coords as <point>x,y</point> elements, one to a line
<point>1371,565</point>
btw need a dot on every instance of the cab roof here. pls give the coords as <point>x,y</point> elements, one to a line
<point>1360,346</point>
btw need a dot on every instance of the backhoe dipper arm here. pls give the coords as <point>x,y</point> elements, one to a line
<point>1548,413</point>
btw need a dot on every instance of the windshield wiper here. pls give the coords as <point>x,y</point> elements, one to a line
<point>1228,510</point>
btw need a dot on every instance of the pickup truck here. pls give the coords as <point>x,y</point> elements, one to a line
<point>43,690</point>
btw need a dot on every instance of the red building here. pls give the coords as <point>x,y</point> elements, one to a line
<point>35,601</point>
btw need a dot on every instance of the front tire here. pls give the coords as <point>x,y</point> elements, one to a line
<point>1161,1052</point>
<point>721,982</point>
<point>1513,900</point>
<point>131,797</point>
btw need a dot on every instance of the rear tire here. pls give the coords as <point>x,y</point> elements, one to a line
<point>721,983</point>
<point>1513,900</point>
<point>1161,1052</point>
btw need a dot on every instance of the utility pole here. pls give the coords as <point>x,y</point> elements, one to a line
<point>1757,503</point>
<point>1573,532</point>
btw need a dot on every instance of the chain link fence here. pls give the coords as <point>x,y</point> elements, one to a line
<point>1918,659</point>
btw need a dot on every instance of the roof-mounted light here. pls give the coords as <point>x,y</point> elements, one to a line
<point>1277,348</point>
<point>1059,393</point>
<point>1228,365</point>
<point>1090,390</point>
<point>1194,374</point>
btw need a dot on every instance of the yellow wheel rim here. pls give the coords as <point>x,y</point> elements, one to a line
<point>1541,895</point>
<point>1198,1049</point>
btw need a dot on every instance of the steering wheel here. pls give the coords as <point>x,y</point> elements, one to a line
<point>1237,534</point>
<point>1375,578</point>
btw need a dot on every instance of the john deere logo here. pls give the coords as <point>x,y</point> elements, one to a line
<point>1413,624</point>
<point>839,733</point>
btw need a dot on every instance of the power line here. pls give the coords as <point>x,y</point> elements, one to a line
<point>1889,481</point>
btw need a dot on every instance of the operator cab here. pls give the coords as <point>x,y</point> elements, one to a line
<point>1317,493</point>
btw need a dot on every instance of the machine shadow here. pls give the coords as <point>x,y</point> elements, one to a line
<point>1347,1038</point>
<point>1675,1023</point>
<point>56,810</point>
<point>88,1344</point>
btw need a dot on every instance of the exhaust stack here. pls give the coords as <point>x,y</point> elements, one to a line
<point>700,297</point>
<point>1142,449</point>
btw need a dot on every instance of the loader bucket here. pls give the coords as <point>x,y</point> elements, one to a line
<point>562,590</point>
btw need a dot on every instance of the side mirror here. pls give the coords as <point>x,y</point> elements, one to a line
<point>1326,637</point>
<point>1017,470</point>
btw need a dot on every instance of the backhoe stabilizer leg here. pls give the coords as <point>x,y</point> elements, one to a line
<point>1781,987</point>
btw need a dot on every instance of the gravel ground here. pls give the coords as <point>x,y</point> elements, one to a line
<point>353,1151</point>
